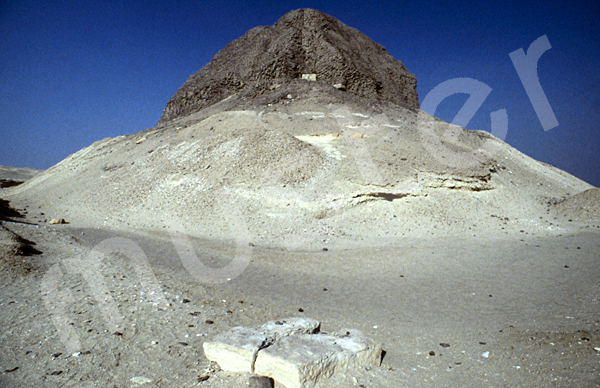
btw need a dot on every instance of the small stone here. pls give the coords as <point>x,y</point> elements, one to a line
<point>444,345</point>
<point>485,354</point>
<point>140,380</point>
<point>309,77</point>
<point>55,221</point>
<point>597,349</point>
<point>261,382</point>
<point>203,378</point>
<point>432,353</point>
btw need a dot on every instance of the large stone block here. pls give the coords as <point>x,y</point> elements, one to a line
<point>303,360</point>
<point>236,349</point>
<point>292,351</point>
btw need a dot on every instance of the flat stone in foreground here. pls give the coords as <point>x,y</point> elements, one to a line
<point>303,360</point>
<point>236,349</point>
<point>292,351</point>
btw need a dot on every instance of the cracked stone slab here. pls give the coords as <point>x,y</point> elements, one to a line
<point>292,351</point>
<point>236,349</point>
<point>303,360</point>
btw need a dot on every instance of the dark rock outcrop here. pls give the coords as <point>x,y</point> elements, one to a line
<point>303,44</point>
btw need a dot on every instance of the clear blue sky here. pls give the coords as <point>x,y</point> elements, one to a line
<point>73,72</point>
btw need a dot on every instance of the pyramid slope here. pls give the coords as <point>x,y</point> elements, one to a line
<point>300,174</point>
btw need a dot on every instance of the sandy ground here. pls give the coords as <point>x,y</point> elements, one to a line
<point>514,312</point>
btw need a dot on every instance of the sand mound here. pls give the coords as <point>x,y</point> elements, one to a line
<point>13,176</point>
<point>584,206</point>
<point>299,175</point>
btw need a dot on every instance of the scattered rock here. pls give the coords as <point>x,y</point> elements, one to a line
<point>13,251</point>
<point>7,213</point>
<point>357,135</point>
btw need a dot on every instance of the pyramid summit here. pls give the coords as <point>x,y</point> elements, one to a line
<point>305,45</point>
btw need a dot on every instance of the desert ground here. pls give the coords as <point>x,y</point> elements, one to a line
<point>514,312</point>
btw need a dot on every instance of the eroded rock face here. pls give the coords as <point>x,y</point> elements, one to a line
<point>303,45</point>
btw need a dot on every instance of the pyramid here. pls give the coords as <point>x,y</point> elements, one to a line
<point>303,45</point>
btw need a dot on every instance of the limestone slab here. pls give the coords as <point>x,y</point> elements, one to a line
<point>292,351</point>
<point>236,349</point>
<point>303,360</point>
